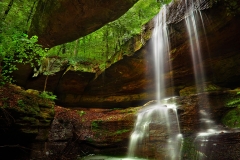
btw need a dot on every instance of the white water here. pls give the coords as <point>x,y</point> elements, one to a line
<point>164,115</point>
<point>192,23</point>
<point>194,20</point>
<point>158,113</point>
<point>160,50</point>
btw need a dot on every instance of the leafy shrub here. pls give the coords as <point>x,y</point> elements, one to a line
<point>18,48</point>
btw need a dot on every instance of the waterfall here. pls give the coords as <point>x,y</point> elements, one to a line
<point>194,20</point>
<point>159,115</point>
<point>160,45</point>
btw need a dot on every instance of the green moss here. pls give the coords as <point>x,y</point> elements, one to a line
<point>48,95</point>
<point>207,87</point>
<point>235,102</point>
<point>45,115</point>
<point>189,150</point>
<point>232,99</point>
<point>232,118</point>
<point>95,124</point>
<point>81,113</point>
<point>121,131</point>
<point>21,103</point>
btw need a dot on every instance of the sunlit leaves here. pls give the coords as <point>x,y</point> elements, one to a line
<point>20,49</point>
<point>100,47</point>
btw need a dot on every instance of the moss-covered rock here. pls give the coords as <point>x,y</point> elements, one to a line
<point>25,110</point>
<point>232,118</point>
<point>103,131</point>
<point>206,87</point>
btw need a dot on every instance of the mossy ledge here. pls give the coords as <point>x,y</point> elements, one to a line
<point>24,111</point>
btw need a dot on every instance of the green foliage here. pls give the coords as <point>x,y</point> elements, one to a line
<point>21,103</point>
<point>81,113</point>
<point>233,102</point>
<point>18,48</point>
<point>121,131</point>
<point>189,150</point>
<point>95,124</point>
<point>15,45</point>
<point>164,1</point>
<point>20,13</point>
<point>92,53</point>
<point>232,118</point>
<point>48,95</point>
<point>101,47</point>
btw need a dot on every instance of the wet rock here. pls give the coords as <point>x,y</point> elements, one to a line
<point>216,104</point>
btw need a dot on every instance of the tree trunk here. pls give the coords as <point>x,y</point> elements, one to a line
<point>76,48</point>
<point>31,11</point>
<point>7,10</point>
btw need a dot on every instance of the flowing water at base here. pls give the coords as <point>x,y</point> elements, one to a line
<point>157,124</point>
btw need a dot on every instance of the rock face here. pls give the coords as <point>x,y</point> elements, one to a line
<point>85,131</point>
<point>25,119</point>
<point>219,49</point>
<point>218,104</point>
<point>70,133</point>
<point>63,21</point>
<point>130,81</point>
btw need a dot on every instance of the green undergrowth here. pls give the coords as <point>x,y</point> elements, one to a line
<point>206,87</point>
<point>189,150</point>
<point>232,118</point>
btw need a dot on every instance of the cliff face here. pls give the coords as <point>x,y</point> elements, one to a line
<point>130,81</point>
<point>218,38</point>
<point>58,22</point>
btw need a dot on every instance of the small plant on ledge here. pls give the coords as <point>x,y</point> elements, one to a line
<point>48,95</point>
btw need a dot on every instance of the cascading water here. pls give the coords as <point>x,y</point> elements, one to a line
<point>160,113</point>
<point>192,23</point>
<point>194,20</point>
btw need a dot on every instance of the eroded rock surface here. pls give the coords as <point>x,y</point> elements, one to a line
<point>25,119</point>
<point>90,131</point>
<point>58,22</point>
<point>130,81</point>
